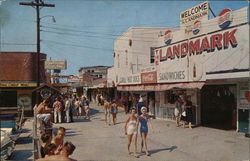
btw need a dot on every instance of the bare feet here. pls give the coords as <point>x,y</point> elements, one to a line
<point>147,153</point>
<point>135,155</point>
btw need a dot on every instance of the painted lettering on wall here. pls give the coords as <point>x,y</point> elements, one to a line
<point>130,79</point>
<point>179,75</point>
<point>198,46</point>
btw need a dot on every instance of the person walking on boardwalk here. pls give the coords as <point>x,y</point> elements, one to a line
<point>86,107</point>
<point>144,119</point>
<point>114,111</point>
<point>78,107</point>
<point>107,111</point>
<point>131,128</point>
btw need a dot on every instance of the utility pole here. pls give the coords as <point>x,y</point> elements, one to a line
<point>37,4</point>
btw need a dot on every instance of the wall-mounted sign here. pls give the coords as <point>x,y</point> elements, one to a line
<point>130,79</point>
<point>244,95</point>
<point>205,44</point>
<point>168,36</point>
<point>49,64</point>
<point>18,84</point>
<point>196,27</point>
<point>172,76</point>
<point>150,77</point>
<point>225,18</point>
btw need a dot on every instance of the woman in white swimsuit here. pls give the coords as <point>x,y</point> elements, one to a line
<point>131,128</point>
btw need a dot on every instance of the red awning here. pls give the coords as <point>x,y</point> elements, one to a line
<point>161,87</point>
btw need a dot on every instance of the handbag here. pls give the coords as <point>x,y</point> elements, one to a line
<point>184,113</point>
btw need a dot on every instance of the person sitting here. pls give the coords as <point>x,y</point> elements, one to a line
<point>50,149</point>
<point>42,113</point>
<point>59,138</point>
<point>66,150</point>
<point>46,140</point>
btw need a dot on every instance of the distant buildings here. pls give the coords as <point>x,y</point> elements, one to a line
<point>96,72</point>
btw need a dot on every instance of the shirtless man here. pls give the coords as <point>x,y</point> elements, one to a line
<point>107,107</point>
<point>66,150</point>
<point>58,139</point>
<point>43,113</point>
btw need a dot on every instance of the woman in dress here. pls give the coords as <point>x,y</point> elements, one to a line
<point>131,128</point>
<point>144,119</point>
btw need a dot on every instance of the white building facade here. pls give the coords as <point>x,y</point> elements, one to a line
<point>206,59</point>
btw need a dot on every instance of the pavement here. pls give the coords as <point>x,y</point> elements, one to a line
<point>96,141</point>
<point>24,147</point>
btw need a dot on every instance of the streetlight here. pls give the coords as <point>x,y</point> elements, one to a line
<point>53,18</point>
<point>39,46</point>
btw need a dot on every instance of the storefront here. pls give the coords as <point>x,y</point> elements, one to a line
<point>17,95</point>
<point>209,63</point>
<point>219,106</point>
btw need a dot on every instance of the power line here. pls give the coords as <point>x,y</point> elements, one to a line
<point>80,35</point>
<point>89,47</point>
<point>17,44</point>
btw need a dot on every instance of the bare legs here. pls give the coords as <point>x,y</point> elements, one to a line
<point>144,142</point>
<point>129,142</point>
<point>177,120</point>
<point>130,138</point>
<point>106,118</point>
<point>114,118</point>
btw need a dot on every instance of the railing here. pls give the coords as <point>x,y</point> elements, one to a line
<point>35,140</point>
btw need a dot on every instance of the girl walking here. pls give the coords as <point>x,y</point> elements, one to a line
<point>131,128</point>
<point>144,119</point>
<point>114,111</point>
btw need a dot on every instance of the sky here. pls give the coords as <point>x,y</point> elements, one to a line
<point>85,30</point>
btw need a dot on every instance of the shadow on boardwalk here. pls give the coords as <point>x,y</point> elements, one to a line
<point>163,149</point>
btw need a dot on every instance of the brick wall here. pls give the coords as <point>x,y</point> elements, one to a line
<point>20,66</point>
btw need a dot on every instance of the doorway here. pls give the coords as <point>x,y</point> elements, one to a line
<point>218,106</point>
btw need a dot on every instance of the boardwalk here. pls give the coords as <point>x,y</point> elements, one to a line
<point>95,140</point>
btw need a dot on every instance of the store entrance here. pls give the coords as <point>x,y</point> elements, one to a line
<point>218,106</point>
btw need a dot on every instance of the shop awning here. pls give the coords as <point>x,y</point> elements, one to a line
<point>161,87</point>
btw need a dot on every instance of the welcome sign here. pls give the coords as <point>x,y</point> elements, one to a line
<point>191,19</point>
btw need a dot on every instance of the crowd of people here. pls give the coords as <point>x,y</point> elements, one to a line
<point>60,109</point>
<point>137,120</point>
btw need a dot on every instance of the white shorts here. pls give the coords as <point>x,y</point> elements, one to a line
<point>176,112</point>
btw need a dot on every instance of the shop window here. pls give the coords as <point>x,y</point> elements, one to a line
<point>170,96</point>
<point>8,98</point>
<point>130,42</point>
<point>152,55</point>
